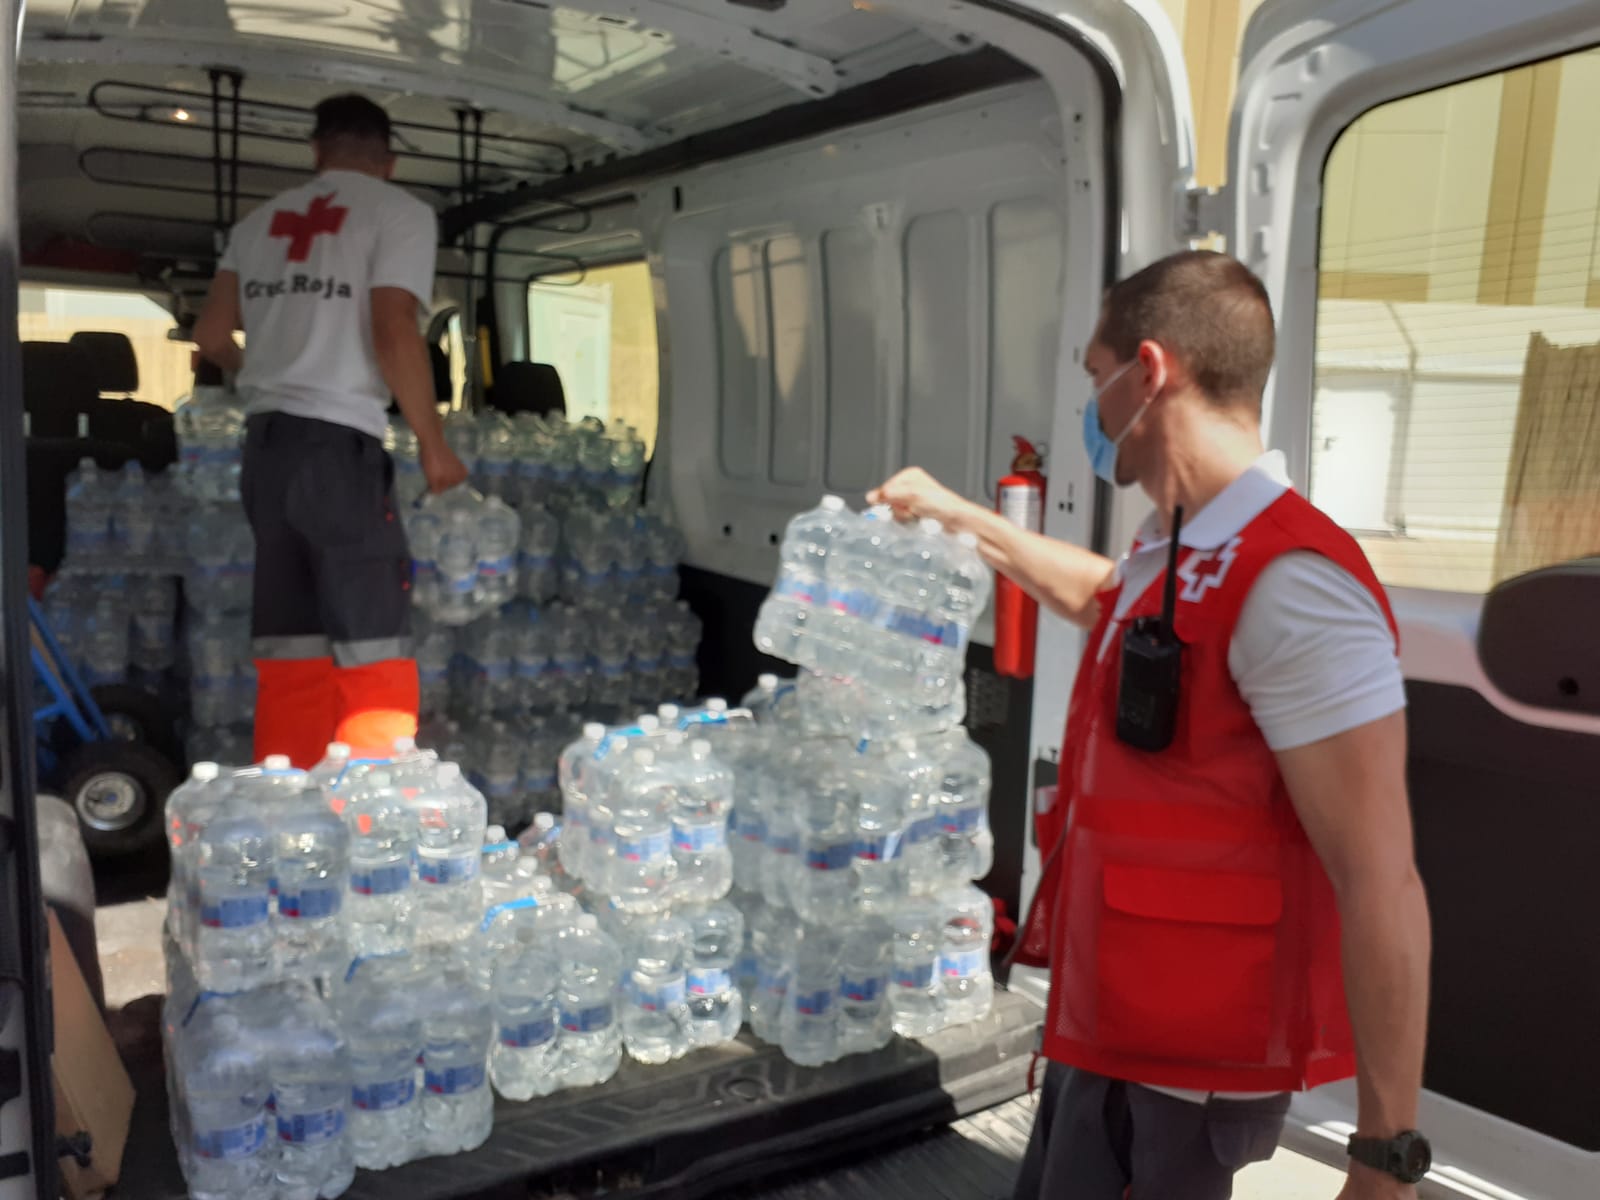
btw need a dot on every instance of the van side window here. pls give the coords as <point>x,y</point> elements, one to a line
<point>1454,426</point>
<point>54,314</point>
<point>599,332</point>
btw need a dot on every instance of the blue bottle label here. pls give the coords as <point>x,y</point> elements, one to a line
<point>813,1004</point>
<point>645,849</point>
<point>963,964</point>
<point>830,858</point>
<point>878,847</point>
<point>591,1018</point>
<point>381,881</point>
<point>751,827</point>
<point>783,843</point>
<point>446,870</point>
<point>697,839</point>
<point>914,975</point>
<point>234,912</point>
<point>710,981</point>
<point>241,1141</point>
<point>309,903</point>
<point>862,989</point>
<point>524,1035</point>
<point>312,1128</point>
<point>453,1081</point>
<point>968,818</point>
<point>659,997</point>
<point>384,1096</point>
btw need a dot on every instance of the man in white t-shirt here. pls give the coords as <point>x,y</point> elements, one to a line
<point>330,281</point>
<point>1230,907</point>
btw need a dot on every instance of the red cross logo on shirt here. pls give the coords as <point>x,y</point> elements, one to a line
<point>1203,571</point>
<point>302,228</point>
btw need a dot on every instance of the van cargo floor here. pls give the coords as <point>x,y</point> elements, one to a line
<point>694,1128</point>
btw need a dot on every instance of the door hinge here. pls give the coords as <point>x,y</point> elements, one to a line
<point>1202,213</point>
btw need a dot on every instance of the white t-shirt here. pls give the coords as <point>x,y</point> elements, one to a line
<point>307,262</point>
<point>1312,654</point>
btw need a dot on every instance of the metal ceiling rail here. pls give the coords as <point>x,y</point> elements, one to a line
<point>298,174</point>
<point>150,98</point>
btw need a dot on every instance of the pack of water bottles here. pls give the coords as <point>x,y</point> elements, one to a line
<point>534,461</point>
<point>850,866</point>
<point>880,613</point>
<point>113,603</point>
<point>354,958</point>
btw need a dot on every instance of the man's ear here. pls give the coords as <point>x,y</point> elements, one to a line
<point>389,162</point>
<point>317,156</point>
<point>1156,361</point>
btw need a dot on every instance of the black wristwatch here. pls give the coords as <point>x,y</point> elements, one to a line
<point>1407,1157</point>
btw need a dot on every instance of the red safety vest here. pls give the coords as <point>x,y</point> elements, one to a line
<point>1191,928</point>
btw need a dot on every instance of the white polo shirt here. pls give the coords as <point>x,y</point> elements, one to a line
<point>307,262</point>
<point>1312,653</point>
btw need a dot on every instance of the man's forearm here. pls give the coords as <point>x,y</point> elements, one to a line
<point>225,354</point>
<point>1064,578</point>
<point>1386,943</point>
<point>403,359</point>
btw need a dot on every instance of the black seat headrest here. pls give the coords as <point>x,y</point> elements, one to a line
<point>111,359</point>
<point>57,385</point>
<point>528,387</point>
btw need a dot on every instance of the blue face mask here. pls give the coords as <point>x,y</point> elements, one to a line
<point>1101,447</point>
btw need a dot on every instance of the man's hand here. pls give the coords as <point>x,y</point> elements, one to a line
<point>440,466</point>
<point>914,494</point>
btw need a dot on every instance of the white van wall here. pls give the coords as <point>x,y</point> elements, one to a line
<point>852,304</point>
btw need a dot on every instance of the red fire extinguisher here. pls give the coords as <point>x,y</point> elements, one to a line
<point>1020,500</point>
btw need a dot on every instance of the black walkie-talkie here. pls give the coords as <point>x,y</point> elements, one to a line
<point>1152,667</point>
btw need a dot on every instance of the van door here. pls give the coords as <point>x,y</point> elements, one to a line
<point>1416,185</point>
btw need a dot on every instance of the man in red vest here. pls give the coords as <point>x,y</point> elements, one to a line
<point>1230,906</point>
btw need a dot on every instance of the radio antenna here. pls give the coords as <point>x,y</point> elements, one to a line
<point>1169,597</point>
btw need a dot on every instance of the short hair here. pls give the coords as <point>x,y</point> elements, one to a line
<point>1209,310</point>
<point>353,119</point>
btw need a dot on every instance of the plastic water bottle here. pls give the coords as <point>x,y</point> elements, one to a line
<point>328,773</point>
<point>311,856</point>
<point>497,452</point>
<point>106,644</point>
<point>435,647</point>
<point>457,1105</point>
<point>967,584</point>
<point>882,824</point>
<point>763,698</point>
<point>682,629</point>
<point>642,869</point>
<point>961,808</point>
<point>909,589</point>
<point>916,991</point>
<point>451,819</point>
<point>809,1031</point>
<point>849,641</point>
<point>716,1006</point>
<point>964,958</point>
<point>234,943</point>
<point>309,1063</point>
<point>222,1075</point>
<point>591,1035</point>
<point>572,772</point>
<point>774,932</point>
<point>656,1021</point>
<point>152,641</point>
<point>627,454</point>
<point>501,882</point>
<point>189,808</point>
<point>822,885</point>
<point>133,519</point>
<point>379,1012</point>
<point>611,654</point>
<point>703,802</point>
<point>380,916</point>
<point>525,1059</point>
<point>915,778</point>
<point>866,1019</point>
<point>800,590</point>
<point>498,534</point>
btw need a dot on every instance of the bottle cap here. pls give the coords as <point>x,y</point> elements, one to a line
<point>276,762</point>
<point>544,822</point>
<point>403,745</point>
<point>594,731</point>
<point>767,683</point>
<point>205,772</point>
<point>667,713</point>
<point>650,723</point>
<point>930,525</point>
<point>833,503</point>
<point>716,705</point>
<point>448,773</point>
<point>337,750</point>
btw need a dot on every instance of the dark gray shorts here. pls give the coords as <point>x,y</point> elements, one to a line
<point>1095,1138</point>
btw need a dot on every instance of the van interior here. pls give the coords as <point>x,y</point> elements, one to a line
<point>801,243</point>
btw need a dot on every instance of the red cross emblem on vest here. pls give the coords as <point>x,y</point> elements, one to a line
<point>1203,571</point>
<point>302,228</point>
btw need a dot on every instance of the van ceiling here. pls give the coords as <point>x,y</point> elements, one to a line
<point>116,100</point>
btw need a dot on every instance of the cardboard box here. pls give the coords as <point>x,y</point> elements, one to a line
<point>93,1092</point>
